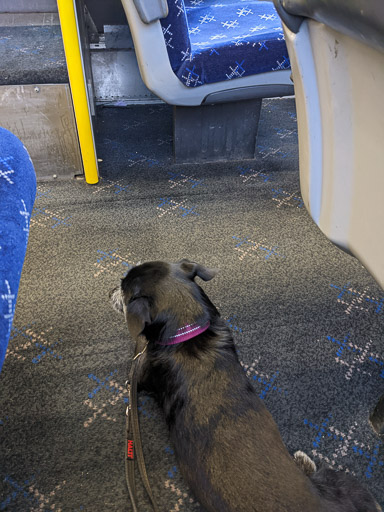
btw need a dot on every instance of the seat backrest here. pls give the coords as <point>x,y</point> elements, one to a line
<point>176,34</point>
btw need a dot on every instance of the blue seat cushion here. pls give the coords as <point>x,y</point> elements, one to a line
<point>212,41</point>
<point>17,193</point>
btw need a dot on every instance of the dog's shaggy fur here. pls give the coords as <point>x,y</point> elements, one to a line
<point>227,444</point>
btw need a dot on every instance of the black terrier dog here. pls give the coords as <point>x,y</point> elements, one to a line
<point>227,444</point>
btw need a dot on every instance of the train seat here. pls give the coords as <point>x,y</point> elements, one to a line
<point>336,50</point>
<point>192,52</point>
<point>17,192</point>
<point>201,53</point>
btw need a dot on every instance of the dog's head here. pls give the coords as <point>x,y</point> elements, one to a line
<point>158,298</point>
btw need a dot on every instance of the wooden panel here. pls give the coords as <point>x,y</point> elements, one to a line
<point>42,117</point>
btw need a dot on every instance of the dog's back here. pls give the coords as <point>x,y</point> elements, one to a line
<point>229,447</point>
<point>227,444</point>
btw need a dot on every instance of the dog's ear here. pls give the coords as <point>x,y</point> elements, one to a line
<point>192,269</point>
<point>138,315</point>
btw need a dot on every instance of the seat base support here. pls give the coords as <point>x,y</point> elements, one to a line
<point>218,132</point>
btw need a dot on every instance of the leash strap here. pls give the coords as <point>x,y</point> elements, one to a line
<point>129,446</point>
<point>133,447</point>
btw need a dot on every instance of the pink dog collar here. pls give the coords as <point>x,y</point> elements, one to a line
<point>185,333</point>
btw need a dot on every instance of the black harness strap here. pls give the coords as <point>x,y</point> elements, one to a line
<point>133,447</point>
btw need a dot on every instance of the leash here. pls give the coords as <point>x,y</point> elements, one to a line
<point>133,446</point>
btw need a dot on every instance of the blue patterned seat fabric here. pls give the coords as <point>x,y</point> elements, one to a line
<point>17,193</point>
<point>211,41</point>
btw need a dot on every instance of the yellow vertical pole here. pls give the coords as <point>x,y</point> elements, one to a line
<point>71,40</point>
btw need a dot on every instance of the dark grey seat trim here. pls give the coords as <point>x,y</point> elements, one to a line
<point>291,21</point>
<point>360,19</point>
<point>251,92</point>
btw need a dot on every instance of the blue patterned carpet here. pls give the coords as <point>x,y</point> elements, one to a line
<point>32,55</point>
<point>307,319</point>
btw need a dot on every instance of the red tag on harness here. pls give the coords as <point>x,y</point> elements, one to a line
<point>130,452</point>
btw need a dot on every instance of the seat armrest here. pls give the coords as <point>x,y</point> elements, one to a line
<point>151,10</point>
<point>360,19</point>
